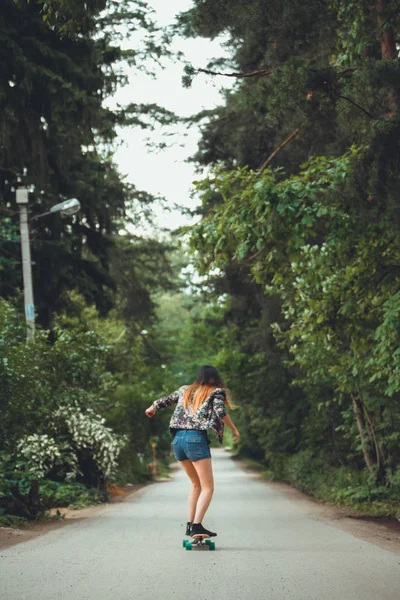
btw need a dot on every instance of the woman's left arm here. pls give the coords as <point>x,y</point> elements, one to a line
<point>219,398</point>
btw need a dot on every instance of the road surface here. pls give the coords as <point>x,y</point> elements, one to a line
<point>267,549</point>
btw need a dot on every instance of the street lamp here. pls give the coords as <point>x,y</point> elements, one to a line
<point>68,207</point>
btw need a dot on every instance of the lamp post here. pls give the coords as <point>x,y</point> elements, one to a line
<point>68,207</point>
<point>22,201</point>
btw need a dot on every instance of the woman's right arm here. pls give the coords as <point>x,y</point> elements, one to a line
<point>162,403</point>
<point>229,423</point>
<point>219,408</point>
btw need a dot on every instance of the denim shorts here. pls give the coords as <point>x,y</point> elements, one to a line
<point>191,444</point>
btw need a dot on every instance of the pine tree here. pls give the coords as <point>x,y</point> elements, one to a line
<point>60,60</point>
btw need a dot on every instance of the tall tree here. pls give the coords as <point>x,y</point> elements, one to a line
<point>56,137</point>
<point>311,80</point>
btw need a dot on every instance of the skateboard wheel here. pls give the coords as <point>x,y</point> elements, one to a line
<point>212,545</point>
<point>188,546</point>
<point>208,542</point>
<point>184,543</point>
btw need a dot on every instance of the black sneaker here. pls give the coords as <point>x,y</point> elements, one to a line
<point>197,530</point>
<point>188,526</point>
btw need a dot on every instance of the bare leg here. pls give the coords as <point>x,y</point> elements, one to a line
<point>204,471</point>
<point>196,488</point>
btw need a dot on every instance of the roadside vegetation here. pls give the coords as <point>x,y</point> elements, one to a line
<point>72,399</point>
<point>299,238</point>
<point>293,286</point>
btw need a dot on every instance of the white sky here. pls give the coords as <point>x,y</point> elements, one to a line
<point>166,172</point>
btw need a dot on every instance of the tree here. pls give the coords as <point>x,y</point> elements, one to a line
<point>53,84</point>
<point>315,230</point>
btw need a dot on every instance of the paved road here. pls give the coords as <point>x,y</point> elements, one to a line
<point>267,549</point>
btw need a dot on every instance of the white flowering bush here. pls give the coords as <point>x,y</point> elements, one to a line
<point>37,454</point>
<point>61,443</point>
<point>88,431</point>
<point>74,431</point>
<point>40,454</point>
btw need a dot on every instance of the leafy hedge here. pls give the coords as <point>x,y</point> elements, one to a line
<point>342,486</point>
<point>49,422</point>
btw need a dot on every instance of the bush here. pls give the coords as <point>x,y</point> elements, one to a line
<point>75,495</point>
<point>49,426</point>
<point>311,473</point>
<point>55,399</point>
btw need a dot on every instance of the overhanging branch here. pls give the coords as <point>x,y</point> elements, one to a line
<point>261,73</point>
<point>278,149</point>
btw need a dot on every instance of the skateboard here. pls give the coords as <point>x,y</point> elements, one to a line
<point>199,542</point>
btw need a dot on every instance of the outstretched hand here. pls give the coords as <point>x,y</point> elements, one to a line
<point>150,412</point>
<point>236,435</point>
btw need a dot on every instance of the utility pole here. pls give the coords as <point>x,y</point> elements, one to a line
<point>22,201</point>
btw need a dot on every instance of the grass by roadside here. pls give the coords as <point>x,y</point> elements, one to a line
<point>337,486</point>
<point>14,530</point>
<point>60,498</point>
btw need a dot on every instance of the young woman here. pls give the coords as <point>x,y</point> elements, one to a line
<point>199,407</point>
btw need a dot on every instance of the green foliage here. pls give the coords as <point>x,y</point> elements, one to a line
<point>61,60</point>
<point>37,378</point>
<point>51,396</point>
<point>322,260</point>
<point>299,300</point>
<point>303,256</point>
<point>74,495</point>
<point>338,485</point>
<point>12,521</point>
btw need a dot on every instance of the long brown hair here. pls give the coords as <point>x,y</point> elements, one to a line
<point>207,380</point>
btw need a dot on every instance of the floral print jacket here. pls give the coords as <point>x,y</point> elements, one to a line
<point>208,416</point>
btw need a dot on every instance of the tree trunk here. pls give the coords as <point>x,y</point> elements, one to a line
<point>388,35</point>
<point>34,498</point>
<point>359,414</point>
<point>379,451</point>
<point>28,507</point>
